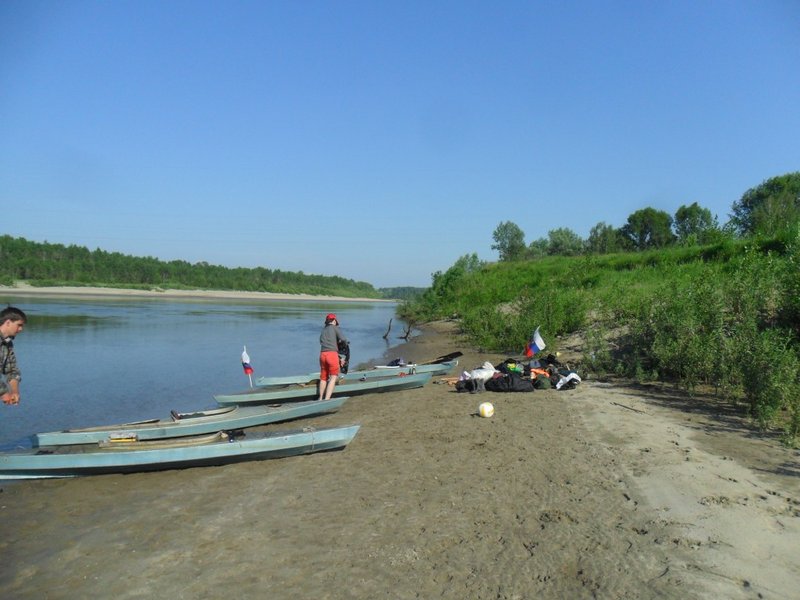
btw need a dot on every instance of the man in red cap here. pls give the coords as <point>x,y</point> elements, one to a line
<point>329,356</point>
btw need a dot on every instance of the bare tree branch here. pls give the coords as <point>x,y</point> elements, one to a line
<point>386,335</point>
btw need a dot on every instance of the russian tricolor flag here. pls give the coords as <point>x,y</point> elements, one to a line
<point>536,344</point>
<point>248,370</point>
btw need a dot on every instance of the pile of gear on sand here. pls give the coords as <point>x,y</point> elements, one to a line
<point>516,376</point>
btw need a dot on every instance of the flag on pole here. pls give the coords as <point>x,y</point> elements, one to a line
<point>248,370</point>
<point>536,344</point>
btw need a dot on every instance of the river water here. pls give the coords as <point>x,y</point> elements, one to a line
<point>88,362</point>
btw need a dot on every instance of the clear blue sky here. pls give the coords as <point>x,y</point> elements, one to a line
<point>381,141</point>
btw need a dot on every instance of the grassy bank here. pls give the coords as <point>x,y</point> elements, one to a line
<point>725,316</point>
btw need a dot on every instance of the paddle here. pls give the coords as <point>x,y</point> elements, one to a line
<point>445,358</point>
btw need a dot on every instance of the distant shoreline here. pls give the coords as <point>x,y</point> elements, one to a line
<point>88,292</point>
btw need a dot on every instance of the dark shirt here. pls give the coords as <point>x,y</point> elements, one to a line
<point>8,363</point>
<point>329,338</point>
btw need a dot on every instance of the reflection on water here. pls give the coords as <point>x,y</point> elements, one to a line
<point>98,361</point>
<point>44,322</point>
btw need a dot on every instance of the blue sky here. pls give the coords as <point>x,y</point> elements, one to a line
<point>381,141</point>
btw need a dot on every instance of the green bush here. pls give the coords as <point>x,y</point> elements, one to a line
<point>770,378</point>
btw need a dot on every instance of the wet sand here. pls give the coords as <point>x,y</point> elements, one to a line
<point>608,491</point>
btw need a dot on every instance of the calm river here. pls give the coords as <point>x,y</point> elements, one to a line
<point>91,362</point>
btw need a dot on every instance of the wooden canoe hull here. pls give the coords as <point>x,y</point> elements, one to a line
<point>377,371</point>
<point>189,424</point>
<point>75,461</point>
<point>347,388</point>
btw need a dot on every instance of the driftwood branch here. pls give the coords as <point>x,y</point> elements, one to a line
<point>386,335</point>
<point>407,333</point>
<point>630,408</point>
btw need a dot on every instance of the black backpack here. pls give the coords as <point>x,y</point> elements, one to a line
<point>344,356</point>
<point>509,382</point>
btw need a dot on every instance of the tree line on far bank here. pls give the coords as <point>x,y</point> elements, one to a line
<point>768,210</point>
<point>45,264</point>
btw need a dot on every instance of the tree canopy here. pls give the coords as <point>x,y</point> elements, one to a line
<point>564,242</point>
<point>509,241</point>
<point>648,228</point>
<point>769,208</point>
<point>604,239</point>
<point>694,224</point>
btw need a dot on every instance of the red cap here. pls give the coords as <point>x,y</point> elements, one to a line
<point>331,317</point>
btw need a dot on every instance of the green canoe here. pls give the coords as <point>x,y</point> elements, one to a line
<point>286,393</point>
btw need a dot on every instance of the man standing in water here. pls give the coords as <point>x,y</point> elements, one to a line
<point>12,322</point>
<point>329,356</point>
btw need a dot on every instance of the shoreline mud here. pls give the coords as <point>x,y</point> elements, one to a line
<point>606,491</point>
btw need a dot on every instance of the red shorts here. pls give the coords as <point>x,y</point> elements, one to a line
<point>328,364</point>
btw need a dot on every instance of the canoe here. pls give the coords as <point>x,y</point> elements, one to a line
<point>197,451</point>
<point>377,371</point>
<point>434,369</point>
<point>186,424</point>
<point>286,393</point>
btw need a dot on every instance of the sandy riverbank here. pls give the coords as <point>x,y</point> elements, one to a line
<point>66,291</point>
<point>606,491</point>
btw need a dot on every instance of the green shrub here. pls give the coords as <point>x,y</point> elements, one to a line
<point>597,354</point>
<point>770,378</point>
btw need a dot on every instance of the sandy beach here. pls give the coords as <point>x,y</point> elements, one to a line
<point>23,289</point>
<point>606,491</point>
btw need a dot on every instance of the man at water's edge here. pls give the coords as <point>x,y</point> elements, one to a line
<point>12,322</point>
